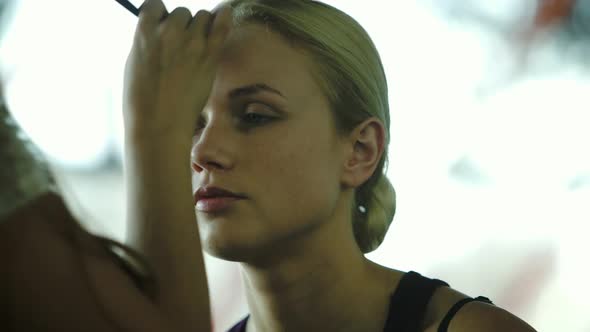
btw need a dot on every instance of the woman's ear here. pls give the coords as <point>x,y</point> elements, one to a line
<point>363,152</point>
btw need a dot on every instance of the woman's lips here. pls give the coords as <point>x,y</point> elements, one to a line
<point>215,204</point>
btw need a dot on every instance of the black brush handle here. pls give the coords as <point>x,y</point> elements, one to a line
<point>129,6</point>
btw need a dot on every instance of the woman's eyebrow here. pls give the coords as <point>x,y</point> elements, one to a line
<point>253,89</point>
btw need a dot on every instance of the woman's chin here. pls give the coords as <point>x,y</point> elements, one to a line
<point>230,249</point>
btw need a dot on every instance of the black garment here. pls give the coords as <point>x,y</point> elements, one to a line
<point>407,305</point>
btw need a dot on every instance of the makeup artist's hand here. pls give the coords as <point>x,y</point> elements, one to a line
<point>170,70</point>
<point>168,80</point>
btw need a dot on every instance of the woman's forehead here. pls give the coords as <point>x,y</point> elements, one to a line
<point>254,53</point>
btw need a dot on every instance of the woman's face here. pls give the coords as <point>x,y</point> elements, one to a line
<point>266,132</point>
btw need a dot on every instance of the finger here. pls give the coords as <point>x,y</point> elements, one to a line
<point>146,36</point>
<point>173,34</point>
<point>178,20</point>
<point>151,14</point>
<point>220,28</point>
<point>222,19</point>
<point>172,31</point>
<point>197,30</point>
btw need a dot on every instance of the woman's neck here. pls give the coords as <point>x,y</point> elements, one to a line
<point>323,287</point>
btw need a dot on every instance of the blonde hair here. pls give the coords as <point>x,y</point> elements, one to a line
<point>349,70</point>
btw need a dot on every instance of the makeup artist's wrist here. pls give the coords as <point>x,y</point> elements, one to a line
<point>158,141</point>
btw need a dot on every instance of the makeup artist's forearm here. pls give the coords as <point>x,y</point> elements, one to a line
<point>162,226</point>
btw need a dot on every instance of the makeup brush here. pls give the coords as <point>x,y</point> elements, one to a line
<point>129,6</point>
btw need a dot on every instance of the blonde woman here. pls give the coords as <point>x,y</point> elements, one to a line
<point>286,121</point>
<point>282,107</point>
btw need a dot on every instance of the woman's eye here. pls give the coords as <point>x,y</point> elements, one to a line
<point>245,119</point>
<point>255,118</point>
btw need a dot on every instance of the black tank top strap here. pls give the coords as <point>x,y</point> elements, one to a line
<point>444,325</point>
<point>408,303</point>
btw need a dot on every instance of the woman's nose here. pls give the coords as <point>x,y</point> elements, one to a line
<point>209,150</point>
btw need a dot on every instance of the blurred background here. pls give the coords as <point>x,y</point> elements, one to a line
<point>490,151</point>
